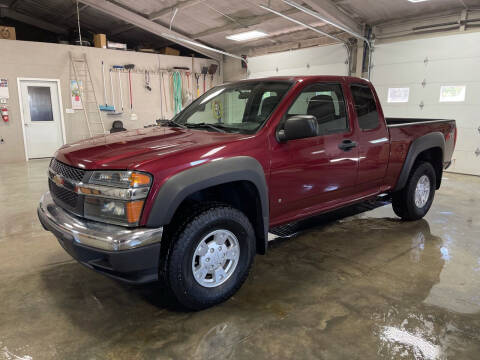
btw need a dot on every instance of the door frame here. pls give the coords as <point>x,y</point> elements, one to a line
<point>22,117</point>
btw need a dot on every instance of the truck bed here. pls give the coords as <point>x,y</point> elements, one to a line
<point>404,131</point>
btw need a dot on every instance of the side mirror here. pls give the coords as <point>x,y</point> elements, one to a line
<point>298,127</point>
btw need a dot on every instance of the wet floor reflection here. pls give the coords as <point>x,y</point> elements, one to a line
<point>360,286</point>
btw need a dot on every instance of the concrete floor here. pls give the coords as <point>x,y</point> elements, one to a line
<point>365,287</point>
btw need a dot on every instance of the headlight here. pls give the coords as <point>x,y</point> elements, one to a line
<point>115,197</point>
<point>122,179</point>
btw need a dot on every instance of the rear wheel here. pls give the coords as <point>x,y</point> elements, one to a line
<point>414,201</point>
<point>210,257</point>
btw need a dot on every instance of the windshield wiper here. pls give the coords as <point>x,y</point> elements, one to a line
<point>172,124</point>
<point>205,125</point>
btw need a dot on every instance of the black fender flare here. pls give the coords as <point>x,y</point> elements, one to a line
<point>181,185</point>
<point>425,142</point>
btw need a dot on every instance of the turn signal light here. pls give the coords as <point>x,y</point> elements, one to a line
<point>138,180</point>
<point>134,210</point>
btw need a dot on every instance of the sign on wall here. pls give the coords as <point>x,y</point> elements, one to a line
<point>398,95</point>
<point>452,93</point>
<point>75,89</point>
<point>4,88</point>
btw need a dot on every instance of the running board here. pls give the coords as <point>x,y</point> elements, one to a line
<point>295,228</point>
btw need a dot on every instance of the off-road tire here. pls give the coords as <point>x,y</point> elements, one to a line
<point>178,267</point>
<point>403,201</point>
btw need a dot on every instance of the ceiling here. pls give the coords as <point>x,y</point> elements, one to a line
<point>381,11</point>
<point>210,21</point>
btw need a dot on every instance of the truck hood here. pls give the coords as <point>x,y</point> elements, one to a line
<point>131,149</point>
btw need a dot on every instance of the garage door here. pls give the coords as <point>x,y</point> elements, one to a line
<point>447,66</point>
<point>319,60</point>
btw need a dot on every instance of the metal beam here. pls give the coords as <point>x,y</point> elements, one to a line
<point>74,12</point>
<point>144,23</point>
<point>328,21</point>
<point>12,14</point>
<point>250,21</point>
<point>122,29</point>
<point>13,4</point>
<point>329,10</point>
<point>197,44</point>
<point>180,5</point>
<point>323,33</point>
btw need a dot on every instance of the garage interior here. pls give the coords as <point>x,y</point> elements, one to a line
<point>358,283</point>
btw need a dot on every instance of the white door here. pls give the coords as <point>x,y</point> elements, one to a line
<point>42,124</point>
<point>425,66</point>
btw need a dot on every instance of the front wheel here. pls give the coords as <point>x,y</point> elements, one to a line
<point>414,201</point>
<point>210,257</point>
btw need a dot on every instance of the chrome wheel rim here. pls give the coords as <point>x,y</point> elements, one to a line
<point>215,258</point>
<point>422,191</point>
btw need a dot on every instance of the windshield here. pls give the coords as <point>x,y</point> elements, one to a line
<point>240,107</point>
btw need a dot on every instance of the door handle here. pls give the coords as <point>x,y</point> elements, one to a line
<point>347,145</point>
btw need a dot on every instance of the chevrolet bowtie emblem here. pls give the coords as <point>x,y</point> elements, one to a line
<point>58,179</point>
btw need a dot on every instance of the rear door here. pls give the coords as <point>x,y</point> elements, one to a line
<point>308,175</point>
<point>373,139</point>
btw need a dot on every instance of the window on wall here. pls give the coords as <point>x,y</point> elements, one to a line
<point>365,106</point>
<point>453,93</point>
<point>326,103</point>
<point>398,95</point>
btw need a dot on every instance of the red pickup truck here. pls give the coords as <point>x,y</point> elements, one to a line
<point>191,201</point>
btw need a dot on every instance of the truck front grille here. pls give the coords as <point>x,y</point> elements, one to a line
<point>68,172</point>
<point>66,199</point>
<point>65,196</point>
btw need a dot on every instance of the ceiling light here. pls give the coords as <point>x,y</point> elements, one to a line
<point>415,1</point>
<point>249,35</point>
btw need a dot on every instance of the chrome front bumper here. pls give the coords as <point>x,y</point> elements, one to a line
<point>92,233</point>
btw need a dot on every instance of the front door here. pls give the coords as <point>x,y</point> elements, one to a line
<point>40,104</point>
<point>313,174</point>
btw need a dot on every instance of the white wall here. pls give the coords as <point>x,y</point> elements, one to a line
<point>319,60</point>
<point>443,60</point>
<point>51,61</point>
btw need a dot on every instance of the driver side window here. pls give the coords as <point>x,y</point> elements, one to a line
<point>326,103</point>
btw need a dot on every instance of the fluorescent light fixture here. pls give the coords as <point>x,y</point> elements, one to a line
<point>415,1</point>
<point>245,36</point>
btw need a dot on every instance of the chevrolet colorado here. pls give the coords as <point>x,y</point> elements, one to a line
<point>190,202</point>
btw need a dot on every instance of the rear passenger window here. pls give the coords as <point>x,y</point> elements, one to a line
<point>326,103</point>
<point>365,106</point>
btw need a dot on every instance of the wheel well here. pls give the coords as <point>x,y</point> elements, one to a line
<point>435,157</point>
<point>242,195</point>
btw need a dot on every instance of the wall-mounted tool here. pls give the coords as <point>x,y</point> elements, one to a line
<point>177,92</point>
<point>212,70</point>
<point>197,78</point>
<point>130,67</point>
<point>105,107</point>
<point>204,73</point>
<point>119,69</point>
<point>147,81</point>
<point>113,95</point>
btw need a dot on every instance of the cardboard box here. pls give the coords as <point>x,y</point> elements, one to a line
<point>7,32</point>
<point>100,41</point>
<point>116,45</point>
<point>169,51</point>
